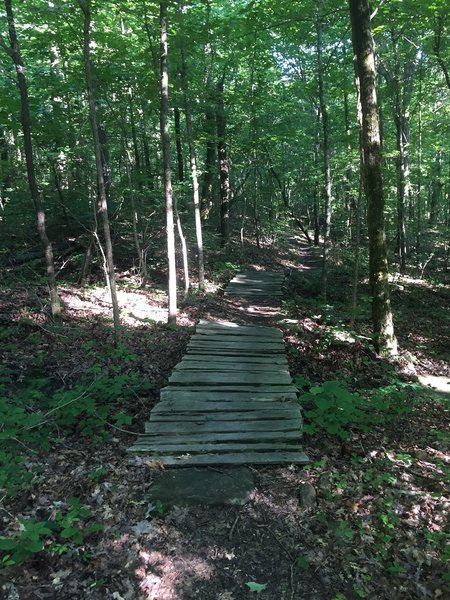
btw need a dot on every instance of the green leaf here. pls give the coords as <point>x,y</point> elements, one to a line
<point>8,543</point>
<point>34,546</point>
<point>256,587</point>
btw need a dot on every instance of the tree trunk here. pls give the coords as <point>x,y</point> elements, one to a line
<point>134,218</point>
<point>5,175</point>
<point>100,162</point>
<point>436,189</point>
<point>223,166</point>
<point>438,28</point>
<point>326,151</point>
<point>206,202</point>
<point>167,175</point>
<point>364,57</point>
<point>180,161</point>
<point>193,163</point>
<point>402,86</point>
<point>14,52</point>
<point>137,155</point>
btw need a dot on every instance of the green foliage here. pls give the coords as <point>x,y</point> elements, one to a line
<point>331,408</point>
<point>53,535</point>
<point>335,410</point>
<point>34,416</point>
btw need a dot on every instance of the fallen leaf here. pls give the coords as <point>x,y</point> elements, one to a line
<point>142,528</point>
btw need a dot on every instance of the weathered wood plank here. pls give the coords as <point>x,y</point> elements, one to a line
<point>178,448</point>
<point>255,284</point>
<point>228,325</point>
<point>243,347</point>
<point>230,415</point>
<point>239,332</point>
<point>257,340</point>
<point>232,342</point>
<point>258,280</point>
<point>265,275</point>
<point>173,429</point>
<point>272,283</point>
<point>223,437</point>
<point>252,293</point>
<point>263,359</point>
<point>258,458</point>
<point>222,395</point>
<point>209,406</point>
<point>217,366</point>
<point>237,377</point>
<point>250,389</point>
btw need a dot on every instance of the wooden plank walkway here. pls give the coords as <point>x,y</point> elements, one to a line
<point>229,401</point>
<point>256,283</point>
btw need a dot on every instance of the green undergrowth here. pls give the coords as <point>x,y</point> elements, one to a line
<point>333,409</point>
<point>36,416</point>
<point>70,524</point>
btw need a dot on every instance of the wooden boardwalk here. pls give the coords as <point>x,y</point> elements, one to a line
<point>256,283</point>
<point>229,401</point>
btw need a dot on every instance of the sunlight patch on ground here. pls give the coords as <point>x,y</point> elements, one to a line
<point>136,307</point>
<point>441,384</point>
<point>165,577</point>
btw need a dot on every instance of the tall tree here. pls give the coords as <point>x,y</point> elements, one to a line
<point>364,59</point>
<point>224,174</point>
<point>194,175</point>
<point>102,204</point>
<point>14,51</point>
<point>167,174</point>
<point>325,147</point>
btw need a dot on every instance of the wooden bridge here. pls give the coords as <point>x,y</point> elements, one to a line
<point>230,400</point>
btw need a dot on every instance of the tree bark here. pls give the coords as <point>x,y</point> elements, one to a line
<point>326,151</point>
<point>180,161</point>
<point>223,165</point>
<point>102,208</point>
<point>438,28</point>
<point>364,58</point>
<point>194,175</point>
<point>167,175</point>
<point>436,189</point>
<point>15,54</point>
<point>206,202</point>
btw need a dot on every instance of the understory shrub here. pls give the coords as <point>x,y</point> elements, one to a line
<point>333,409</point>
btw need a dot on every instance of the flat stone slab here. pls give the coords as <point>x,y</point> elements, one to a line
<point>190,487</point>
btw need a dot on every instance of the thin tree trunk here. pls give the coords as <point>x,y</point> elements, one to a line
<point>436,189</point>
<point>184,250</point>
<point>14,52</point>
<point>206,202</point>
<point>5,174</point>
<point>402,83</point>
<point>326,152</point>
<point>439,25</point>
<point>193,163</point>
<point>167,176</point>
<point>223,166</point>
<point>419,164</point>
<point>137,155</point>
<point>134,217</point>
<point>179,147</point>
<point>356,250</point>
<point>364,57</point>
<point>102,208</point>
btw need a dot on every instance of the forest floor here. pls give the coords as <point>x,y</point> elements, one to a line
<point>368,518</point>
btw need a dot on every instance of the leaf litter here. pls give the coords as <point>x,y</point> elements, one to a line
<point>368,518</point>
